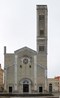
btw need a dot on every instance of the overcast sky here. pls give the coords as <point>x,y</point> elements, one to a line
<point>18,29</point>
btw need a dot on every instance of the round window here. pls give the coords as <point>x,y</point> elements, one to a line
<point>25,61</point>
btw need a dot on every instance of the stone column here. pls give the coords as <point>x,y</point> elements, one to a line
<point>15,78</point>
<point>35,73</point>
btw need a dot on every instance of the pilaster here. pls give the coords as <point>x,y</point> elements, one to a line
<point>15,73</point>
<point>35,73</point>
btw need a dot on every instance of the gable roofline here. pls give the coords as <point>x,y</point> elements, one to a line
<point>26,48</point>
<point>42,66</point>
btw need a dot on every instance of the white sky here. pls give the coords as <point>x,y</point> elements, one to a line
<point>18,29</point>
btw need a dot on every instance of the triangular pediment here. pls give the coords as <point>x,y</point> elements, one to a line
<point>26,49</point>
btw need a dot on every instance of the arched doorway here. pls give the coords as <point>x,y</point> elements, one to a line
<point>40,89</point>
<point>25,85</point>
<point>10,89</point>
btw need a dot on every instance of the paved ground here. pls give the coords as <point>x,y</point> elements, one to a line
<point>33,97</point>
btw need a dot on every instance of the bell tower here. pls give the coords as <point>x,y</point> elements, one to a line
<point>42,34</point>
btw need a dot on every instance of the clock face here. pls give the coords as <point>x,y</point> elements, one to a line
<point>25,61</point>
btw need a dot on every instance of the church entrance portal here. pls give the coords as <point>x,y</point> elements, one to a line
<point>25,87</point>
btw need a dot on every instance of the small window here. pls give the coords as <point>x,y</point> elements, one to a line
<point>41,48</point>
<point>41,17</point>
<point>41,33</point>
<point>20,66</point>
<point>29,66</point>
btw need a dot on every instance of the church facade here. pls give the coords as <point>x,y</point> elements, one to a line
<point>25,70</point>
